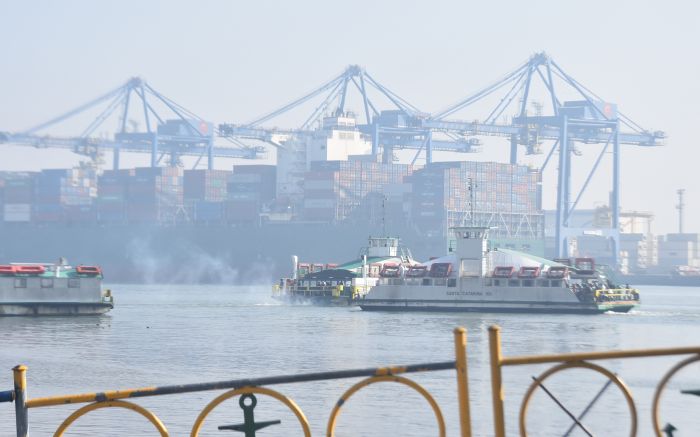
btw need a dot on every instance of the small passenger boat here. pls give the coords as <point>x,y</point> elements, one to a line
<point>40,289</point>
<point>345,284</point>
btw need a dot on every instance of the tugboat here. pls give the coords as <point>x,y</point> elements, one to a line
<point>473,278</point>
<point>41,289</point>
<point>345,284</point>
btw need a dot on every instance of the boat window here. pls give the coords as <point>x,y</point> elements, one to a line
<point>556,283</point>
<point>20,282</point>
<point>543,283</point>
<point>496,282</point>
<point>528,283</point>
<point>426,281</point>
<point>46,282</point>
<point>452,282</point>
<point>74,283</point>
<point>440,281</point>
<point>513,283</point>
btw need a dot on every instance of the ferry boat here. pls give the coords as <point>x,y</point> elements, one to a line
<point>473,278</point>
<point>345,284</point>
<point>41,289</point>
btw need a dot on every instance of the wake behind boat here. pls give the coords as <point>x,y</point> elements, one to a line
<point>472,278</point>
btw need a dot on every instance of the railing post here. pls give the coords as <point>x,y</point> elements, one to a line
<point>496,383</point>
<point>465,421</point>
<point>20,377</point>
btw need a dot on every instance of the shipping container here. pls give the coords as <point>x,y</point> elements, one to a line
<point>261,179</point>
<point>207,185</point>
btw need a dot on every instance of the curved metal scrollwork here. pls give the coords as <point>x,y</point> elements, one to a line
<point>247,391</point>
<point>584,365</point>
<point>112,404</point>
<point>660,388</point>
<point>330,431</point>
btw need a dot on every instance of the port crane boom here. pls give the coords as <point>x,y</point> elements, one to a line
<point>179,133</point>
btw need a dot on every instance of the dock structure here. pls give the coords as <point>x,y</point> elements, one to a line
<point>388,123</point>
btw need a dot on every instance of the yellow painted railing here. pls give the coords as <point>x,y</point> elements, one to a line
<point>246,389</point>
<point>582,361</point>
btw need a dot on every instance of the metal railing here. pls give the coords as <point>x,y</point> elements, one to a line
<point>247,389</point>
<point>581,361</point>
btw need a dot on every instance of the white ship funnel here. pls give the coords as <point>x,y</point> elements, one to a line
<point>295,266</point>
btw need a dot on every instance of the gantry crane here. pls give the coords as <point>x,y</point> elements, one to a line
<point>387,127</point>
<point>588,119</point>
<point>179,133</point>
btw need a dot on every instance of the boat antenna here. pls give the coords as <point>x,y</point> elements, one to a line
<point>680,207</point>
<point>470,187</point>
<point>384,215</point>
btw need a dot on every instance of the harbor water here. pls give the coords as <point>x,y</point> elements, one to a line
<point>165,335</point>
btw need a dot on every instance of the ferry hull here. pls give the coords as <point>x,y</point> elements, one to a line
<point>492,307</point>
<point>328,301</point>
<point>54,308</point>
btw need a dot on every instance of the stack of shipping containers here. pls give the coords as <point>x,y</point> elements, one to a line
<point>112,190</point>
<point>155,195</point>
<point>432,198</point>
<point>18,197</point>
<point>503,195</point>
<point>65,195</point>
<point>335,191</point>
<point>251,188</point>
<point>205,192</point>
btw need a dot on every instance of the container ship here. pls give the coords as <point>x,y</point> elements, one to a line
<point>167,224</point>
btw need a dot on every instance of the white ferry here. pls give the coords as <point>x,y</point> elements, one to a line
<point>473,278</point>
<point>344,284</point>
<point>41,289</point>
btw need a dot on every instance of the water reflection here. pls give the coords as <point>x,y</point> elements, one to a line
<point>168,335</point>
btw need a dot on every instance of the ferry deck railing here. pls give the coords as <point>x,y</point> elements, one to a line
<point>246,389</point>
<point>348,291</point>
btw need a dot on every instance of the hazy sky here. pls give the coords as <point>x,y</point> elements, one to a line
<point>230,61</point>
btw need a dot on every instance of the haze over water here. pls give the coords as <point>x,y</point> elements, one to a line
<point>164,335</point>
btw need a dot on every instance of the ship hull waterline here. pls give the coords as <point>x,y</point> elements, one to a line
<point>395,305</point>
<point>54,308</point>
<point>325,301</point>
